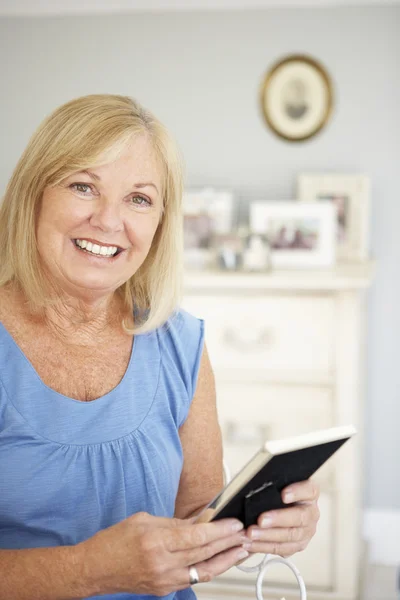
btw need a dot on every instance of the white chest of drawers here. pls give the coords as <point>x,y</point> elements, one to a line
<point>287,351</point>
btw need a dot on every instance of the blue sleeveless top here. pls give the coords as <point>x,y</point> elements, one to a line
<point>70,468</point>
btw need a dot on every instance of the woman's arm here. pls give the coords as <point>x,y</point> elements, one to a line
<point>45,574</point>
<point>202,473</point>
<point>285,531</point>
<point>142,554</point>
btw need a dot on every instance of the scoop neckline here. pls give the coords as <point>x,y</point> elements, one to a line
<point>63,396</point>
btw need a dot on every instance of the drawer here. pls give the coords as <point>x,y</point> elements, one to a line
<point>315,563</point>
<point>250,414</point>
<point>278,333</point>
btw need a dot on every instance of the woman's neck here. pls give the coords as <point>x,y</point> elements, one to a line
<point>76,322</point>
<point>80,323</point>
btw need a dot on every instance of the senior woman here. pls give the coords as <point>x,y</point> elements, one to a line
<point>109,439</point>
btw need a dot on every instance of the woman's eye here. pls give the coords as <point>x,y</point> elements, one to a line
<point>141,201</point>
<point>82,188</point>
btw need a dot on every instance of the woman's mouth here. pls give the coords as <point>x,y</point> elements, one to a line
<point>97,249</point>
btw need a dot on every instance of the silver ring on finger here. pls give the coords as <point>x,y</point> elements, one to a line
<point>193,576</point>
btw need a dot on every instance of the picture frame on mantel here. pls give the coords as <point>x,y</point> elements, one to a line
<point>350,194</point>
<point>207,216</point>
<point>300,235</point>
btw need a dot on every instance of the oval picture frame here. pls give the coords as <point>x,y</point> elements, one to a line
<point>297,98</point>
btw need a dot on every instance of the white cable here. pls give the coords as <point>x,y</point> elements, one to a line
<point>268,560</point>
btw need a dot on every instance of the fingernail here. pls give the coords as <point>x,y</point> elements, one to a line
<point>242,554</point>
<point>255,534</point>
<point>237,526</point>
<point>288,497</point>
<point>266,522</point>
<point>247,545</point>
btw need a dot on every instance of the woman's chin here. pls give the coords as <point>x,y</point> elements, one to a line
<point>90,288</point>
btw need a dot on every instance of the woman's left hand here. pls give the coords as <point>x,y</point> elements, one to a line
<point>287,530</point>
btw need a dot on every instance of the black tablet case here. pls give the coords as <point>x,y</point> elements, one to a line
<point>263,491</point>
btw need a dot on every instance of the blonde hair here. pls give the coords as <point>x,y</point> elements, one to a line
<point>84,133</point>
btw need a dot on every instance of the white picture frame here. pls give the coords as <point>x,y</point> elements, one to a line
<point>300,234</point>
<point>351,195</point>
<point>207,214</point>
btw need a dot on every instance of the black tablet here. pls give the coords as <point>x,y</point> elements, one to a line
<point>257,487</point>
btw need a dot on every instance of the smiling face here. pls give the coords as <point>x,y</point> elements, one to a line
<point>96,227</point>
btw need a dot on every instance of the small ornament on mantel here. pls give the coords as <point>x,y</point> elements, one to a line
<point>256,253</point>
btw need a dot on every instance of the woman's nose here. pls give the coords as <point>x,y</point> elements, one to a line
<point>107,215</point>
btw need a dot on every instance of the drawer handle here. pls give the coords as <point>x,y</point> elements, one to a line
<point>247,340</point>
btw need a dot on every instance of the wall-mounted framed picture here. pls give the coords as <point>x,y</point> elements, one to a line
<point>350,194</point>
<point>297,97</point>
<point>300,235</point>
<point>207,215</point>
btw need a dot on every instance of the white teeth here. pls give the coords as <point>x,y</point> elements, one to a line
<point>96,248</point>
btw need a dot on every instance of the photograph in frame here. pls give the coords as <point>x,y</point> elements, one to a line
<point>207,218</point>
<point>350,194</point>
<point>300,235</point>
<point>297,97</point>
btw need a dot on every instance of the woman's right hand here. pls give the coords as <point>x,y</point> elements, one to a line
<point>152,555</point>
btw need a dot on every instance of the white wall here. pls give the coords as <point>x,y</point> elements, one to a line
<point>200,72</point>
